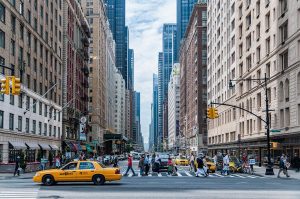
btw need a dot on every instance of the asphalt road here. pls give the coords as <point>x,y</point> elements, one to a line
<point>158,187</point>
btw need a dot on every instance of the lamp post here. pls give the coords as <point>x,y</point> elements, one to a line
<point>269,168</point>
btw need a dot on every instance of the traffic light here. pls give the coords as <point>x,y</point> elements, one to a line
<point>16,86</point>
<point>210,113</point>
<point>215,113</point>
<point>5,86</point>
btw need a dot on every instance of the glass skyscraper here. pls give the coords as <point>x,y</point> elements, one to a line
<point>115,10</point>
<point>184,11</point>
<point>131,69</point>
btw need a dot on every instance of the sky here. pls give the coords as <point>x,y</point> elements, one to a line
<point>145,19</point>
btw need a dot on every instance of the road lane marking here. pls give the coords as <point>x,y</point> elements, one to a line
<point>159,175</point>
<point>251,176</point>
<point>179,174</point>
<point>238,176</point>
<point>149,174</point>
<point>188,174</point>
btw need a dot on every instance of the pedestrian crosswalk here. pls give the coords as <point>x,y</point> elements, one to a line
<point>189,174</point>
<point>19,194</point>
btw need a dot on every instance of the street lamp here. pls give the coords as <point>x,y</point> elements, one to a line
<point>269,168</point>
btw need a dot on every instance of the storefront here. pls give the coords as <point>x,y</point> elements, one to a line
<point>114,144</point>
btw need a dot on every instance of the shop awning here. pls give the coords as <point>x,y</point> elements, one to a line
<point>18,145</point>
<point>70,145</point>
<point>45,147</point>
<point>88,148</point>
<point>32,145</point>
<point>54,147</point>
<point>77,146</point>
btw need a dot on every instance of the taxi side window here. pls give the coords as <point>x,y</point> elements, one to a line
<point>86,165</point>
<point>71,166</point>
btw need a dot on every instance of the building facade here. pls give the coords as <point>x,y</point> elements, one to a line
<point>31,46</point>
<point>154,115</point>
<point>193,82</point>
<point>131,69</point>
<point>173,109</point>
<point>115,10</point>
<point>159,138</point>
<point>267,45</point>
<point>221,68</point>
<point>75,56</point>
<point>184,11</point>
<point>119,113</point>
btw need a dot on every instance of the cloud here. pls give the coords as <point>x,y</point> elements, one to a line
<point>145,19</point>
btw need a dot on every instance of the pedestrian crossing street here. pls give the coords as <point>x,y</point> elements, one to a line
<point>19,194</point>
<point>188,174</point>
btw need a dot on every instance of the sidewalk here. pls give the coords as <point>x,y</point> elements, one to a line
<point>7,176</point>
<point>261,172</point>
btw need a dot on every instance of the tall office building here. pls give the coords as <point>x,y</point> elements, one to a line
<point>184,11</point>
<point>115,10</point>
<point>131,69</point>
<point>160,101</point>
<point>193,81</point>
<point>154,115</point>
<point>31,123</point>
<point>173,109</point>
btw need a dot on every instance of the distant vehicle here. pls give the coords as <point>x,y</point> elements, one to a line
<point>78,171</point>
<point>163,163</point>
<point>181,160</point>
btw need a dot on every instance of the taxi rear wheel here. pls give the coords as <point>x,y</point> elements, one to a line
<point>98,179</point>
<point>48,180</point>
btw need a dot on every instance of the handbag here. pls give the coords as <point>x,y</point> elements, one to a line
<point>287,165</point>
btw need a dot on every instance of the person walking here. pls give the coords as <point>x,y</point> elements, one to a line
<point>205,167</point>
<point>147,165</point>
<point>129,166</point>
<point>170,166</point>
<point>157,163</point>
<point>57,161</point>
<point>192,163</point>
<point>142,165</point>
<point>225,165</point>
<point>200,168</point>
<point>296,162</point>
<point>215,159</point>
<point>115,161</point>
<point>283,166</point>
<point>17,166</point>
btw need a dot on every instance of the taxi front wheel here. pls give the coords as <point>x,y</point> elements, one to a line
<point>98,179</point>
<point>48,180</point>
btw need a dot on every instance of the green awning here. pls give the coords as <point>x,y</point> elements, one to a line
<point>88,148</point>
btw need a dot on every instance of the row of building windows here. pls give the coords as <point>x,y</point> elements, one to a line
<point>31,126</point>
<point>33,105</point>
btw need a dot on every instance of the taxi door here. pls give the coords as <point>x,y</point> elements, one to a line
<point>86,171</point>
<point>68,172</point>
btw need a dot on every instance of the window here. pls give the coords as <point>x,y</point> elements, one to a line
<point>20,100</point>
<point>12,99</point>
<point>267,22</point>
<point>248,21</point>
<point>257,31</point>
<point>40,128</point>
<point>298,115</point>
<point>40,108</point>
<point>21,7</point>
<point>34,126</point>
<point>45,129</point>
<point>248,42</point>
<point>257,8</point>
<point>50,130</point>
<point>86,166</point>
<point>2,13</point>
<point>258,54</point>
<point>284,60</point>
<point>2,39</point>
<point>29,16</point>
<point>13,23</point>
<point>287,90</point>
<point>21,31</point>
<point>268,47</point>
<point>11,121</point>
<point>27,103</point>
<point>283,30</point>
<point>248,62</point>
<point>258,100</point>
<point>70,166</point>
<point>27,125</point>
<point>1,119</point>
<point>13,2</point>
<point>283,6</point>
<point>19,123</point>
<point>268,70</point>
<point>287,117</point>
<point>45,111</point>
<point>34,105</point>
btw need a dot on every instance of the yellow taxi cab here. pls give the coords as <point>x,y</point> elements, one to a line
<point>181,160</point>
<point>211,167</point>
<point>78,171</point>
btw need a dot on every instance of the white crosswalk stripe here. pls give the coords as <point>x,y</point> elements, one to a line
<point>18,194</point>
<point>159,175</point>
<point>178,174</point>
